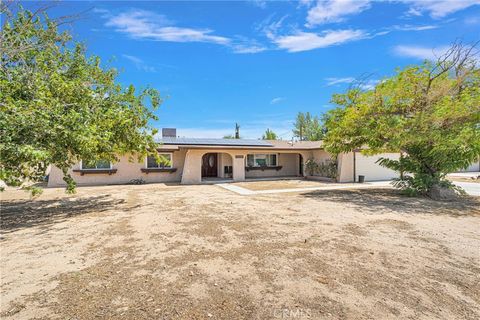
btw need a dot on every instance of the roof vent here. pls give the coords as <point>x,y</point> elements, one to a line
<point>169,132</point>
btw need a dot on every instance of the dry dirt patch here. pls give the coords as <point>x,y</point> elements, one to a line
<point>201,252</point>
<point>282,184</point>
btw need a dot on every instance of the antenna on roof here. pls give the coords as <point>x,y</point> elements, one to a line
<point>237,131</point>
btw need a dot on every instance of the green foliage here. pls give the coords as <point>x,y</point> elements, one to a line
<point>430,113</point>
<point>269,135</point>
<point>311,166</point>
<point>229,136</point>
<point>325,169</point>
<point>59,105</point>
<point>308,128</point>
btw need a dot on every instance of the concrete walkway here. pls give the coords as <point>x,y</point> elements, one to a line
<point>470,188</point>
<point>245,191</point>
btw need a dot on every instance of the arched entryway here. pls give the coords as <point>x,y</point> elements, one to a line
<point>210,165</point>
<point>217,166</point>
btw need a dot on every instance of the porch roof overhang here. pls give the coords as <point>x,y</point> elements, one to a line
<point>242,144</point>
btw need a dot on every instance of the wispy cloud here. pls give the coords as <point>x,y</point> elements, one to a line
<point>368,84</point>
<point>245,45</point>
<point>142,24</point>
<point>438,8</point>
<point>303,41</point>
<point>139,63</point>
<point>408,27</point>
<point>147,25</point>
<point>258,3</point>
<point>419,52</point>
<point>334,81</point>
<point>364,84</point>
<point>277,100</point>
<point>334,11</point>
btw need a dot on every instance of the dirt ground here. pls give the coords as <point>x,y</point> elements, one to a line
<point>202,252</point>
<point>283,184</point>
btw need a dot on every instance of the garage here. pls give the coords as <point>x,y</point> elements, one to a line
<point>474,167</point>
<point>367,166</point>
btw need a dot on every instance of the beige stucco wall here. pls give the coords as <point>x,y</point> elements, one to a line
<point>345,167</point>
<point>126,171</point>
<point>192,173</point>
<point>189,168</point>
<point>365,165</point>
<point>289,163</point>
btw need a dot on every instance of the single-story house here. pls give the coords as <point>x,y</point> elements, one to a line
<point>193,161</point>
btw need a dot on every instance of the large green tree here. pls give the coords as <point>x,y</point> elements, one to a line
<point>430,113</point>
<point>59,105</point>
<point>308,127</point>
<point>269,135</point>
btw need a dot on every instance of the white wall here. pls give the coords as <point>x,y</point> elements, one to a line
<point>474,167</point>
<point>367,166</point>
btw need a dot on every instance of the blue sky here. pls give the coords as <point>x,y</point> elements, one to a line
<point>258,63</point>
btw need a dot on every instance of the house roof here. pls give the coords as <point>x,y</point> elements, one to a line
<point>304,145</point>
<point>214,142</point>
<point>169,142</point>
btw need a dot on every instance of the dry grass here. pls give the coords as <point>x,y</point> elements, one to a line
<point>201,252</point>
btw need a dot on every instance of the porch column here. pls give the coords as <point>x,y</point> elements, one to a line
<point>192,168</point>
<point>238,167</point>
<point>345,167</point>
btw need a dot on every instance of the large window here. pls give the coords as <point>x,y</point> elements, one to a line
<point>96,165</point>
<point>262,160</point>
<point>165,163</point>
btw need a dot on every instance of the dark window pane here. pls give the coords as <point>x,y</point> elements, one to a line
<point>103,164</point>
<point>151,162</point>
<point>273,160</point>
<point>250,162</point>
<point>166,160</point>
<point>88,165</point>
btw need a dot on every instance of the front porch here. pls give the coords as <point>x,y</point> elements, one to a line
<point>222,166</point>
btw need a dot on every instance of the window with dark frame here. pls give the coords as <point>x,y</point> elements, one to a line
<point>262,160</point>
<point>166,162</point>
<point>96,165</point>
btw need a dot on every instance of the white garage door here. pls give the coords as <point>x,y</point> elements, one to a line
<point>372,171</point>
<point>474,167</point>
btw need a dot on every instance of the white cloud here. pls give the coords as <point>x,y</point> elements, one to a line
<point>438,8</point>
<point>277,100</point>
<point>419,52</point>
<point>248,49</point>
<point>368,84</point>
<point>334,11</point>
<point>139,63</point>
<point>142,24</point>
<point>303,41</point>
<point>408,27</point>
<point>334,81</point>
<point>245,45</point>
<point>259,3</point>
<point>364,84</point>
<point>147,25</point>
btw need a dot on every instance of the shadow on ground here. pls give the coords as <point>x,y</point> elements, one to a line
<point>21,214</point>
<point>375,200</point>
